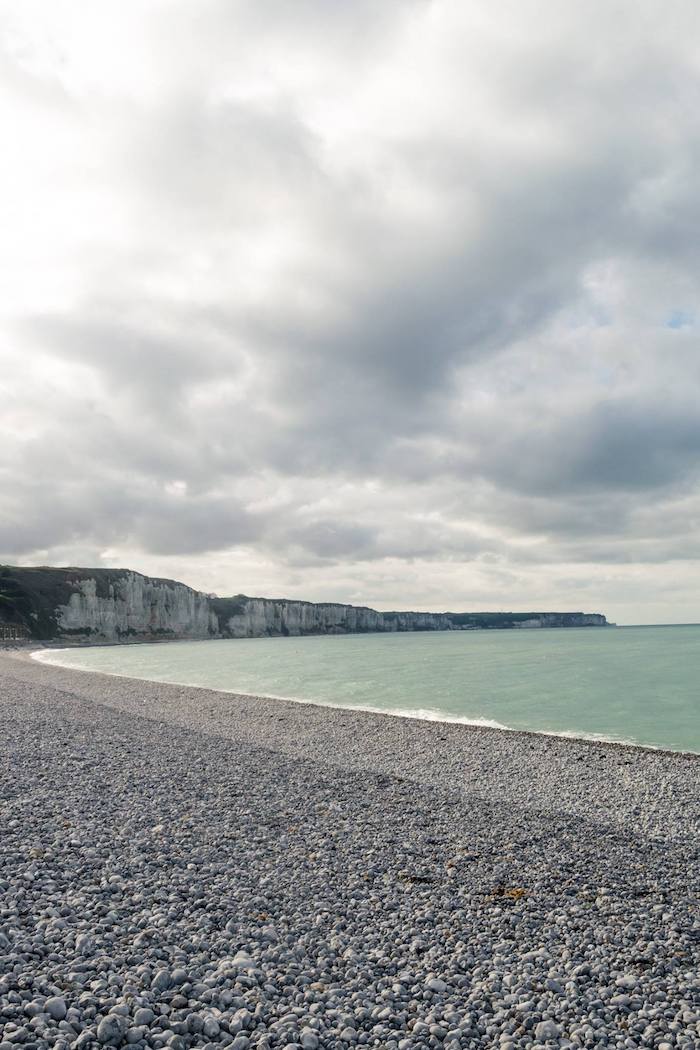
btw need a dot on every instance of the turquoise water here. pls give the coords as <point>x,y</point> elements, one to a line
<point>634,684</point>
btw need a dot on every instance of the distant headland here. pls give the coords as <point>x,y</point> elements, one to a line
<point>119,605</point>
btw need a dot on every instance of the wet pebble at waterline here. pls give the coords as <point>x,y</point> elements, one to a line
<point>169,887</point>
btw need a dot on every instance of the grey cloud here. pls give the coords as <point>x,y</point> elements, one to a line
<point>320,540</point>
<point>101,511</point>
<point>615,445</point>
<point>130,349</point>
<point>171,526</point>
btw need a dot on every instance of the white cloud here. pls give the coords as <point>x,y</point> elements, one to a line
<point>366,302</point>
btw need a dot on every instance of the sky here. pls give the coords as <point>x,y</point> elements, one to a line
<point>388,303</point>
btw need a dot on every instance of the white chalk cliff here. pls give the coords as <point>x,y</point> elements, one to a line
<point>268,616</point>
<point>117,605</point>
<point>135,605</point>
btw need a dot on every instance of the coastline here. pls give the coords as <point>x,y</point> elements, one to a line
<point>41,654</point>
<point>439,751</point>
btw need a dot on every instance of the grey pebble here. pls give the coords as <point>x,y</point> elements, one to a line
<point>111,1029</point>
<point>161,981</point>
<point>144,1016</point>
<point>56,1007</point>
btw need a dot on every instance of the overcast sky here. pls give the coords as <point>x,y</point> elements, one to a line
<point>393,303</point>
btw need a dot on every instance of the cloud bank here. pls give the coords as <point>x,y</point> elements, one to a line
<point>389,303</point>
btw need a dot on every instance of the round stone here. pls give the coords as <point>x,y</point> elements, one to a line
<point>56,1007</point>
<point>547,1030</point>
<point>161,981</point>
<point>111,1029</point>
<point>144,1016</point>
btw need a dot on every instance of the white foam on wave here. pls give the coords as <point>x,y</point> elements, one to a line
<point>429,714</point>
<point>597,738</point>
<point>42,656</point>
<point>423,714</point>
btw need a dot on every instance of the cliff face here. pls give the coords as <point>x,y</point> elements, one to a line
<point>135,606</point>
<point>104,605</point>
<point>114,605</point>
<point>256,617</point>
<point>505,620</point>
<point>563,620</point>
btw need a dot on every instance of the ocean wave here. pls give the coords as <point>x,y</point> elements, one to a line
<point>429,714</point>
<point>42,657</point>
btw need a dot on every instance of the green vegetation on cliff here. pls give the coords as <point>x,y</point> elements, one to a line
<point>33,595</point>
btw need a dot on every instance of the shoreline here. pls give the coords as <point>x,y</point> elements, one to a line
<point>532,764</point>
<point>183,867</point>
<point>430,715</point>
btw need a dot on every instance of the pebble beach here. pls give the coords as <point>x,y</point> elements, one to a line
<point>187,868</point>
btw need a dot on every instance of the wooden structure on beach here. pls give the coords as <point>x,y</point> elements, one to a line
<point>13,632</point>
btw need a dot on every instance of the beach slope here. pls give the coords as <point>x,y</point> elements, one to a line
<point>186,868</point>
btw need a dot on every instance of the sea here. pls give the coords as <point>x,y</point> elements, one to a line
<point>638,685</point>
